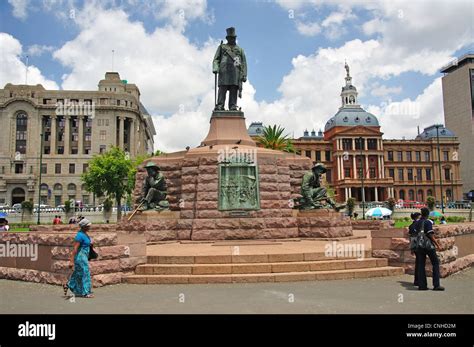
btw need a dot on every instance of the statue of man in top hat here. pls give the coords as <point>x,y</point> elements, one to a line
<point>154,189</point>
<point>314,194</point>
<point>231,65</point>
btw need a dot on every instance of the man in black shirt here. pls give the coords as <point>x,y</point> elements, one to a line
<point>431,253</point>
<point>415,216</point>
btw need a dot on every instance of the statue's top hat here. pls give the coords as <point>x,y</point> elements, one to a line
<point>231,32</point>
<point>319,167</point>
<point>151,164</point>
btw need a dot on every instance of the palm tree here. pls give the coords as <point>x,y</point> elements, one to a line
<point>273,138</point>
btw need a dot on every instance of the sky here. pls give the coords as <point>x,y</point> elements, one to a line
<point>295,49</point>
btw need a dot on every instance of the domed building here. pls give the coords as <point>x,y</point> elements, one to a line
<point>353,150</point>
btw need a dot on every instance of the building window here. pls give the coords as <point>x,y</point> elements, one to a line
<point>346,144</point>
<point>60,149</point>
<point>85,167</point>
<point>390,156</point>
<point>306,153</point>
<point>410,174</point>
<point>372,172</point>
<point>409,156</point>
<point>347,172</point>
<point>57,168</point>
<point>328,176</point>
<point>57,200</point>
<point>328,155</point>
<point>372,144</point>
<point>411,195</point>
<point>44,169</point>
<point>399,156</point>
<point>72,168</point>
<point>429,192</point>
<point>449,195</point>
<point>318,156</point>
<point>400,175</point>
<point>21,132</point>
<point>419,174</point>
<point>446,155</point>
<point>418,156</point>
<point>103,148</point>
<point>401,194</point>
<point>447,174</point>
<point>102,134</point>
<point>18,168</point>
<point>359,144</point>
<point>391,173</point>
<point>428,175</point>
<point>427,156</point>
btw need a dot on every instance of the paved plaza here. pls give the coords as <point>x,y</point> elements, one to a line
<point>385,295</point>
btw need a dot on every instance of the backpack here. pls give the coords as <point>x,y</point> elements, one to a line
<point>421,241</point>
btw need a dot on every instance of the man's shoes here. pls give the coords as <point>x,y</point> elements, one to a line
<point>422,288</point>
<point>439,289</point>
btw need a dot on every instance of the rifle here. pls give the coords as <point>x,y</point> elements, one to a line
<point>135,211</point>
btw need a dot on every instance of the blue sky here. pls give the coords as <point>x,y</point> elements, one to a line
<point>295,52</point>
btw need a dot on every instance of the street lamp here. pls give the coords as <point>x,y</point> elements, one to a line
<point>362,177</point>
<point>437,126</point>
<point>452,188</point>
<point>416,189</point>
<point>40,172</point>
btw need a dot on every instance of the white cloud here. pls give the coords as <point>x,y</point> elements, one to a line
<point>400,119</point>
<point>20,8</point>
<point>38,50</point>
<point>12,68</point>
<point>308,29</point>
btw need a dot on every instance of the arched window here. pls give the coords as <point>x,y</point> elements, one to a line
<point>58,186</point>
<point>429,192</point>
<point>71,186</point>
<point>411,195</point>
<point>21,132</point>
<point>449,194</point>
<point>420,195</point>
<point>402,194</point>
<point>44,189</point>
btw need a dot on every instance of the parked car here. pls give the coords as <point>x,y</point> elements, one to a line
<point>16,206</point>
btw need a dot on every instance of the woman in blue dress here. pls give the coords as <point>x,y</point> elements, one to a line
<point>80,281</point>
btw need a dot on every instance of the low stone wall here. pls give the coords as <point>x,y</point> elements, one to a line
<point>119,254</point>
<point>361,224</point>
<point>393,243</point>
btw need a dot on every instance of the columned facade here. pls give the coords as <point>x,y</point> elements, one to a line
<point>75,126</point>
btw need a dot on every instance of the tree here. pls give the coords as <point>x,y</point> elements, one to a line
<point>111,175</point>
<point>430,202</point>
<point>350,205</point>
<point>391,204</point>
<point>159,152</point>
<point>273,138</point>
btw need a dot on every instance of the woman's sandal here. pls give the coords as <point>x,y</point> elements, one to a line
<point>89,296</point>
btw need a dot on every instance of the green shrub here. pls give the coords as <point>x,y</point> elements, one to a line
<point>430,203</point>
<point>107,205</point>
<point>27,206</point>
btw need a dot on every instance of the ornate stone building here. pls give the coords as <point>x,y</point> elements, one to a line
<point>75,125</point>
<point>352,143</point>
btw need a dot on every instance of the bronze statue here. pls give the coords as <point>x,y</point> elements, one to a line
<point>314,196</point>
<point>231,65</point>
<point>154,189</point>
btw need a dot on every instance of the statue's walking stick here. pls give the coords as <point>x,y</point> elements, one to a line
<point>135,211</point>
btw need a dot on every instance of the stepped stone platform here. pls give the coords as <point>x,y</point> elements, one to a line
<point>258,261</point>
